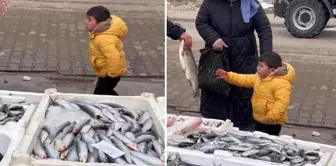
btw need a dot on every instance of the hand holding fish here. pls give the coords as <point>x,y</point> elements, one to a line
<point>268,121</point>
<point>3,7</point>
<point>221,74</point>
<point>187,40</point>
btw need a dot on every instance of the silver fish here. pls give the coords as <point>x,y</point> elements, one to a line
<point>120,145</point>
<point>127,127</point>
<point>114,105</point>
<point>16,107</point>
<point>118,125</point>
<point>51,152</point>
<point>82,150</point>
<point>3,116</point>
<point>72,155</point>
<point>147,125</point>
<point>65,104</point>
<point>130,135</point>
<point>60,128</point>
<point>68,129</point>
<point>102,157</point>
<point>250,152</point>
<point>93,111</point>
<point>147,158</point>
<point>142,119</point>
<point>189,67</point>
<point>297,159</point>
<point>143,147</point>
<point>89,141</point>
<point>78,127</point>
<point>39,149</point>
<point>138,161</point>
<point>67,142</point>
<point>109,115</point>
<point>240,148</point>
<point>130,112</point>
<point>128,142</point>
<point>144,138</point>
<point>93,156</point>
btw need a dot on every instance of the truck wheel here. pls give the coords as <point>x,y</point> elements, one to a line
<point>306,18</point>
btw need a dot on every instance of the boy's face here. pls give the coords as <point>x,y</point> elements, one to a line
<point>263,70</point>
<point>90,23</point>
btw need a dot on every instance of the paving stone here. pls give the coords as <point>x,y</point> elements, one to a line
<point>50,46</point>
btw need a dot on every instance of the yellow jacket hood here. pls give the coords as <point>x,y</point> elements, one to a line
<point>112,26</point>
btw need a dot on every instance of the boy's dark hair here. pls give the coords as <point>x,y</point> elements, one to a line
<point>272,59</point>
<point>100,13</point>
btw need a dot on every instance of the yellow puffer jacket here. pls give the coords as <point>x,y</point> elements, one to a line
<point>271,95</point>
<point>106,49</point>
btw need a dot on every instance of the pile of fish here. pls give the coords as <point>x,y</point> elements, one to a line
<point>128,130</point>
<point>174,159</point>
<point>11,113</point>
<point>260,148</point>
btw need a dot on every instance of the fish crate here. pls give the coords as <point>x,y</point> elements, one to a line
<point>223,157</point>
<point>22,156</point>
<point>30,101</point>
<point>10,137</point>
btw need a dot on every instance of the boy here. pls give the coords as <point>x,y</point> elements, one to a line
<point>271,91</point>
<point>107,57</point>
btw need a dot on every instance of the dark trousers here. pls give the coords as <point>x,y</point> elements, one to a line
<point>106,85</point>
<point>269,129</point>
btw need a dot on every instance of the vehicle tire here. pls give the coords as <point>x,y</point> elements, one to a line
<point>306,18</point>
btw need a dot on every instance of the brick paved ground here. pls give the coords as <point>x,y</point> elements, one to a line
<point>50,36</point>
<point>314,91</point>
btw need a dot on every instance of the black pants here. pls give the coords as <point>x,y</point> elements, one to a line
<point>269,129</point>
<point>106,85</point>
<point>245,126</point>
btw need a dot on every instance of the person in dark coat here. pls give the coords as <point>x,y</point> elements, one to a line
<point>176,32</point>
<point>230,24</point>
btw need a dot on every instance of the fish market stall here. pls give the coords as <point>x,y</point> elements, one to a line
<point>202,141</point>
<point>17,107</point>
<point>78,129</point>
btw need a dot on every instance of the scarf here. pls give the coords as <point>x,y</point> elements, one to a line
<point>248,8</point>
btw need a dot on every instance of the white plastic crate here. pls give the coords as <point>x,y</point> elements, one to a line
<point>198,158</point>
<point>26,97</point>
<point>21,156</point>
<point>10,138</point>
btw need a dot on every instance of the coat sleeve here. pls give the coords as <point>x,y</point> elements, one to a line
<point>263,28</point>
<point>174,30</point>
<point>203,26</point>
<point>241,80</point>
<point>282,96</point>
<point>112,55</point>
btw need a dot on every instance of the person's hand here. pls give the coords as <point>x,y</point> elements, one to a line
<point>221,74</point>
<point>219,45</point>
<point>187,40</point>
<point>3,7</point>
<point>268,121</point>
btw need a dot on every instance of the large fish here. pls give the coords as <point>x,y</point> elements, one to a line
<point>188,64</point>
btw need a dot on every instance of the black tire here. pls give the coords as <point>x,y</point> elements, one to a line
<point>322,17</point>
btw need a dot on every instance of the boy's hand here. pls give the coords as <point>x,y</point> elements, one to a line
<point>221,74</point>
<point>268,121</point>
<point>3,7</point>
